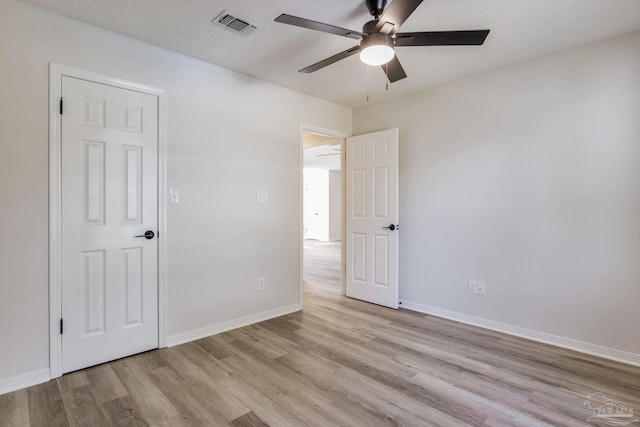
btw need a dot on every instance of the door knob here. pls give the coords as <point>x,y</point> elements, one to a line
<point>391,227</point>
<point>147,235</point>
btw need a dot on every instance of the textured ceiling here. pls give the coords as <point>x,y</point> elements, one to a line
<point>520,30</point>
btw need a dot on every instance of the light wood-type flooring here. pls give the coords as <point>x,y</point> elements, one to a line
<point>338,362</point>
<point>322,264</point>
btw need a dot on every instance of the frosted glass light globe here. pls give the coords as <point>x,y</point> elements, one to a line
<point>376,54</point>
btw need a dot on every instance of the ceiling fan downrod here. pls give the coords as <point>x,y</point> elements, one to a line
<point>376,7</point>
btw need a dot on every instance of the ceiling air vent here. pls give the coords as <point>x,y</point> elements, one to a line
<point>235,24</point>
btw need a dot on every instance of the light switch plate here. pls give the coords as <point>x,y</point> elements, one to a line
<point>262,196</point>
<point>175,196</point>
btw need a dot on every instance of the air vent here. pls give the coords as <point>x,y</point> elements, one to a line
<point>235,24</point>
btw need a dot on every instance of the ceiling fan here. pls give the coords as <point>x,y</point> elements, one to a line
<point>334,147</point>
<point>380,36</point>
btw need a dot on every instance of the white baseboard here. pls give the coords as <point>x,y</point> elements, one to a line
<point>218,328</point>
<point>24,381</point>
<point>568,343</point>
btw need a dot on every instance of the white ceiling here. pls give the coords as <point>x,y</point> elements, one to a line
<point>520,30</point>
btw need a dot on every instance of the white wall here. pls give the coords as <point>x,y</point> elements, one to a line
<point>229,135</point>
<point>527,178</point>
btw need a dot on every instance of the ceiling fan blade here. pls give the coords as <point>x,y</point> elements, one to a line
<point>335,58</point>
<point>397,12</point>
<point>393,69</point>
<point>442,38</point>
<point>318,26</point>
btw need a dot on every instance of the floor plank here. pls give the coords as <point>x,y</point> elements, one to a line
<point>150,401</point>
<point>123,411</point>
<point>45,406</point>
<point>14,409</point>
<point>82,408</point>
<point>105,383</point>
<point>249,420</point>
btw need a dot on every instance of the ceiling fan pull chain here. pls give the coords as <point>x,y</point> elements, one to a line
<point>367,83</point>
<point>387,73</point>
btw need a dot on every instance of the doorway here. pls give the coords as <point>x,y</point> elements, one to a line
<point>323,208</point>
<point>369,227</point>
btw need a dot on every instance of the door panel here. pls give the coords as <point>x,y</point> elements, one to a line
<point>381,192</point>
<point>381,260</point>
<point>109,195</point>
<point>93,293</point>
<point>359,193</point>
<point>132,184</point>
<point>372,192</point>
<point>358,254</point>
<point>133,290</point>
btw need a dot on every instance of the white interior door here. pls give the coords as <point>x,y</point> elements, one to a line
<point>109,195</point>
<point>372,218</point>
<point>311,204</point>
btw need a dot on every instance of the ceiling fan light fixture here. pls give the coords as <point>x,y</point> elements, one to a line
<point>376,49</point>
<point>377,55</point>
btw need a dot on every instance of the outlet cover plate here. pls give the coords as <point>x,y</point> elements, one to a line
<point>481,288</point>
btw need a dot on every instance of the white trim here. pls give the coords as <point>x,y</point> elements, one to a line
<point>543,337</point>
<point>23,381</point>
<point>218,328</point>
<point>56,72</point>
<point>163,191</point>
<point>55,230</point>
<point>305,127</point>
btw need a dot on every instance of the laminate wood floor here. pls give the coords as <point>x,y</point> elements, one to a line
<point>322,264</point>
<point>338,362</point>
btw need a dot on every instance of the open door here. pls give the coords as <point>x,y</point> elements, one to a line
<point>372,217</point>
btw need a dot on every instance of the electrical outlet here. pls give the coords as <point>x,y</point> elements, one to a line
<point>472,287</point>
<point>481,288</point>
<point>477,288</point>
<point>262,284</point>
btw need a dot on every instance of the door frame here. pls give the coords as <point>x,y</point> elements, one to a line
<point>56,72</point>
<point>305,127</point>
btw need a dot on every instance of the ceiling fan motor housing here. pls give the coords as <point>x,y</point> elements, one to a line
<point>376,39</point>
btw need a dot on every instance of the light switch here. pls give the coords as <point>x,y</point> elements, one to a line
<point>262,196</point>
<point>174,195</point>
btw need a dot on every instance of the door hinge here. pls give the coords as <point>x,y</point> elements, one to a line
<point>61,106</point>
<point>61,327</point>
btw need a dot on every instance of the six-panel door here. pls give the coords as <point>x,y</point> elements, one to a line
<point>109,195</point>
<point>372,217</point>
